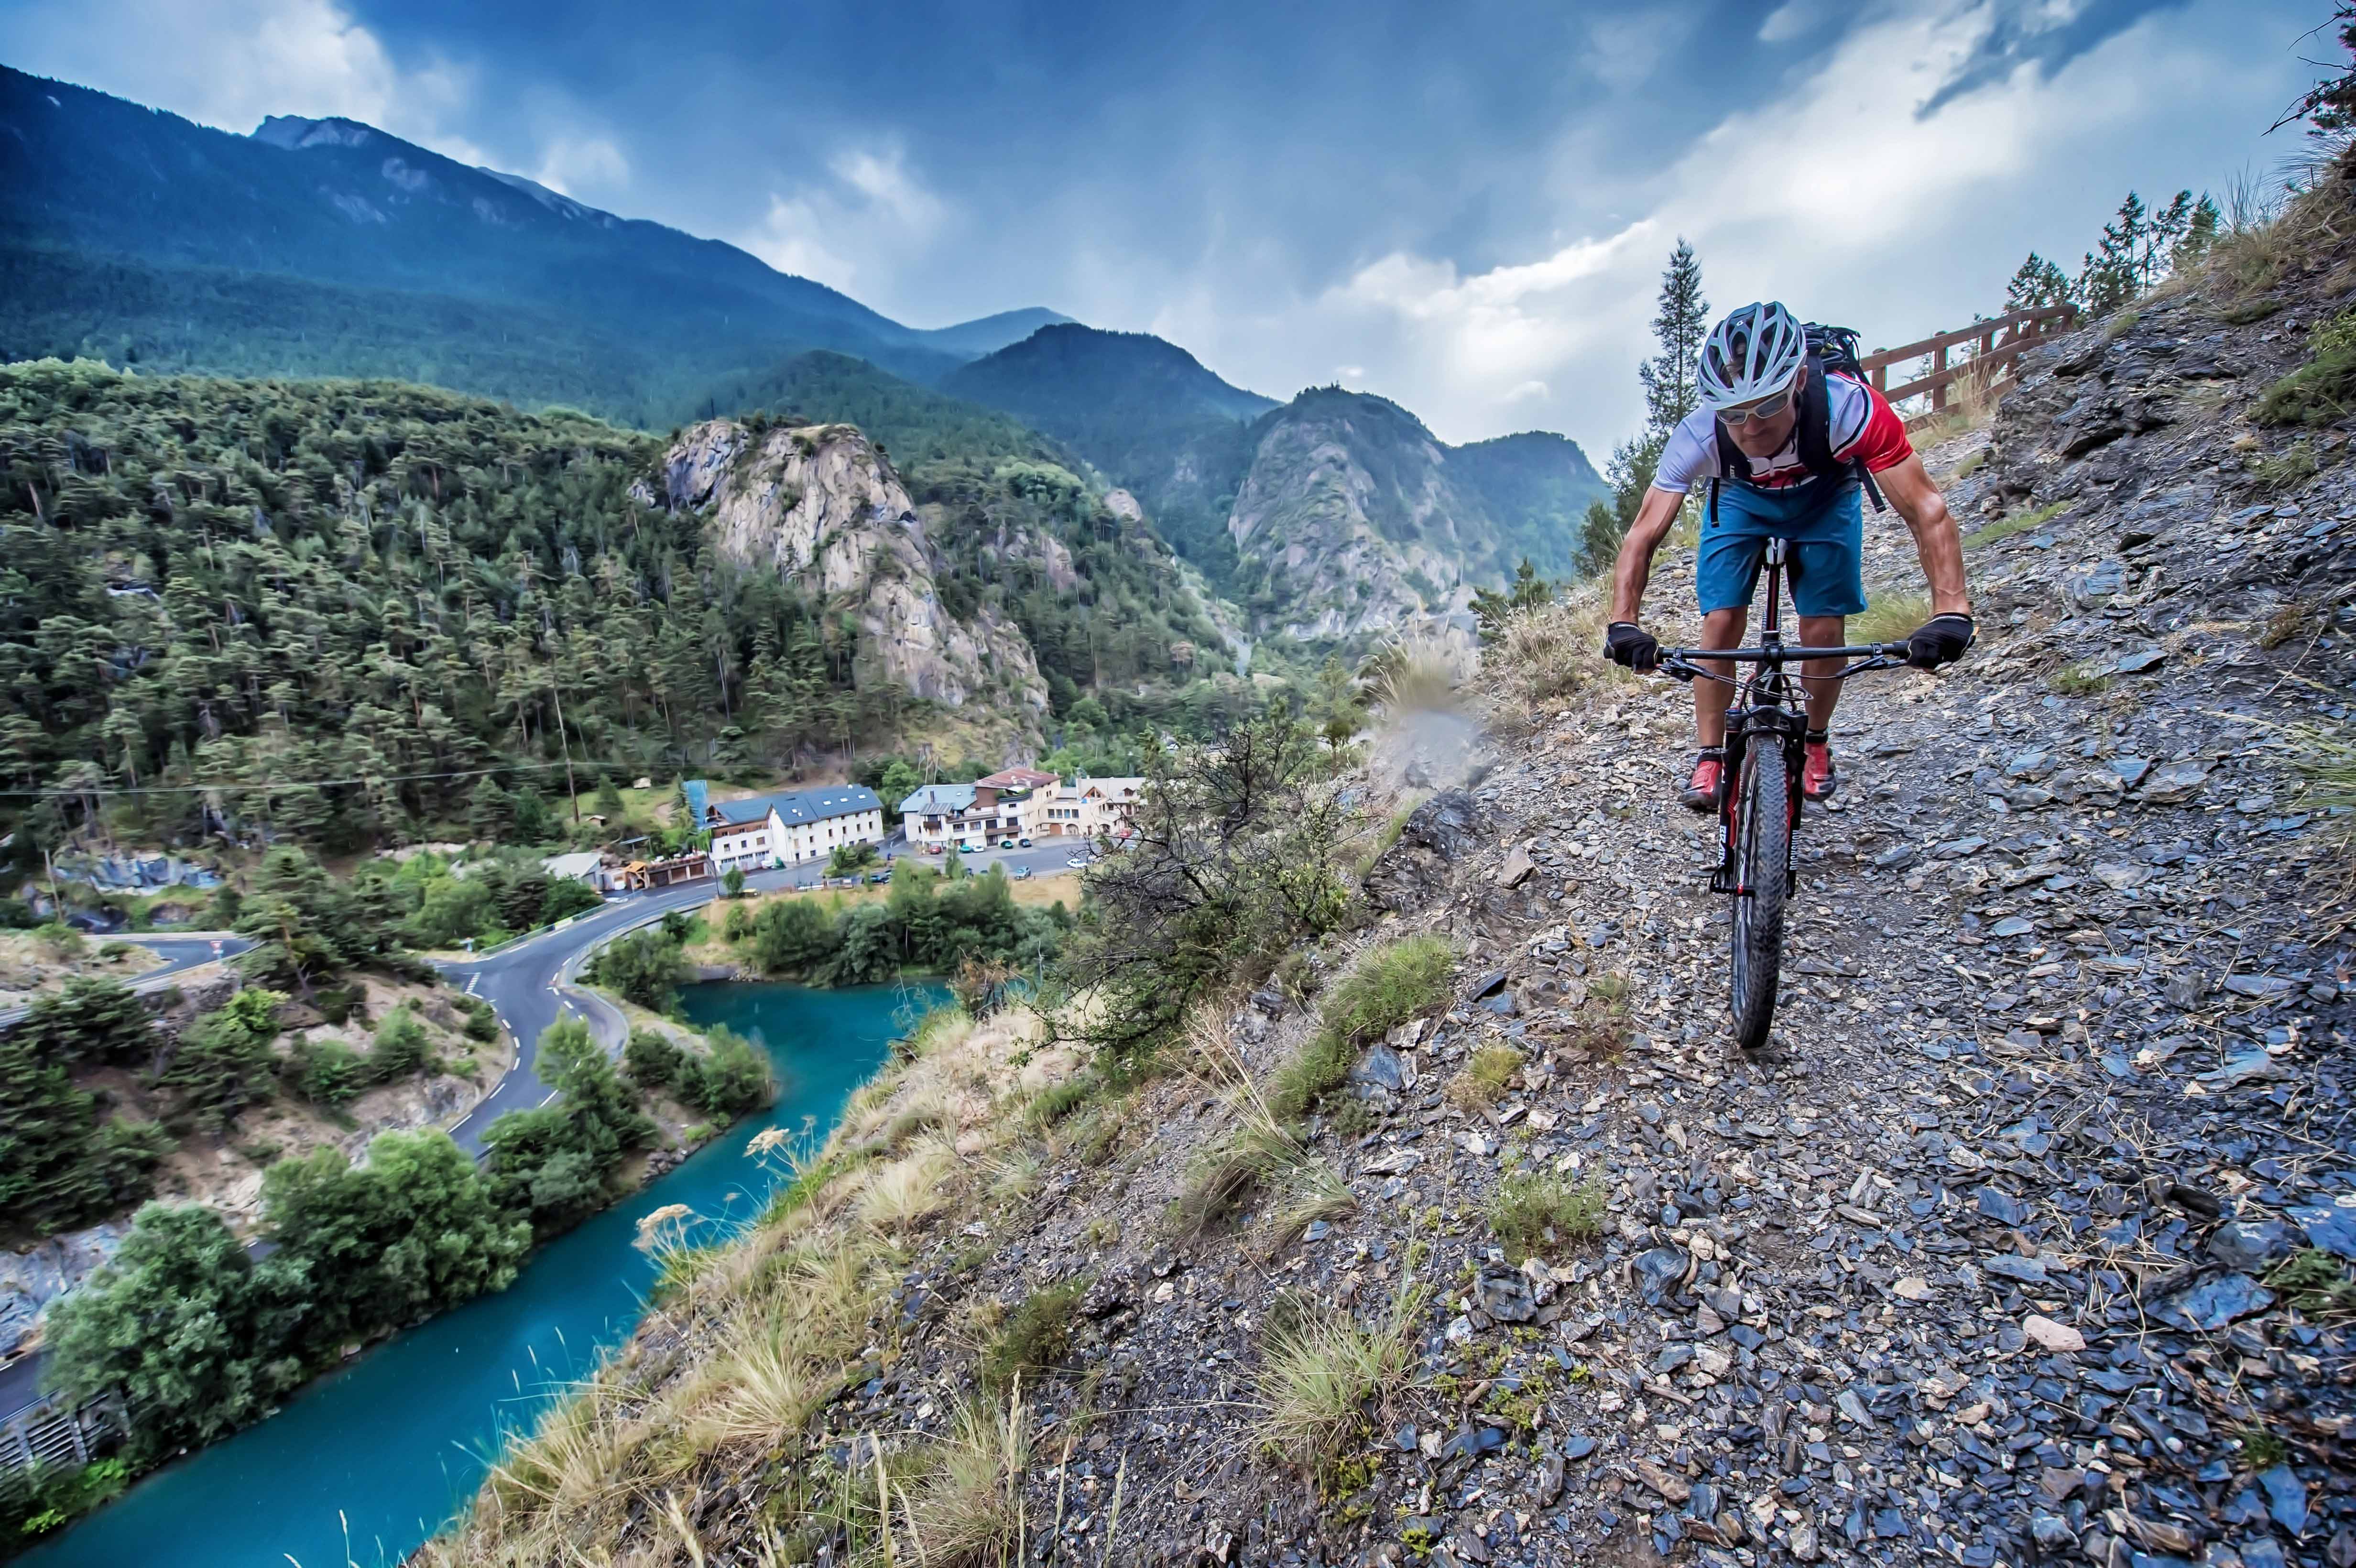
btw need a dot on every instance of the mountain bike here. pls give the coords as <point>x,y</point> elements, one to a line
<point>1759,790</point>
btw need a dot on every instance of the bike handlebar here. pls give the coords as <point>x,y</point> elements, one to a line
<point>1781,655</point>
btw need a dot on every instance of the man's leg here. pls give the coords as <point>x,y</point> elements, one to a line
<point>1720,629</point>
<point>1820,632</point>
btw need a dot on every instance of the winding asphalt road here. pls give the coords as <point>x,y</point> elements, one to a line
<point>181,951</point>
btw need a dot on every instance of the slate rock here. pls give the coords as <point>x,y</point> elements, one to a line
<point>1381,1067</point>
<point>1504,1296</point>
<point>2331,1226</point>
<point>2212,1303</point>
<point>2001,1206</point>
<point>2286,1497</point>
<point>1659,1272</point>
<point>2251,1244</point>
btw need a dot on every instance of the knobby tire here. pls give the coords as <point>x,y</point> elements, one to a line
<point>1762,861</point>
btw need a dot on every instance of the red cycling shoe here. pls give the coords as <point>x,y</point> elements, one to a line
<point>1700,793</point>
<point>1819,778</point>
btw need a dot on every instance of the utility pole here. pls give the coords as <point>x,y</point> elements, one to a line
<point>563,741</point>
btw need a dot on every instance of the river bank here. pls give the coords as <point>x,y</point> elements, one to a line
<point>368,1461</point>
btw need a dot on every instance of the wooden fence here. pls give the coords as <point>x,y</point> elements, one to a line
<point>1997,343</point>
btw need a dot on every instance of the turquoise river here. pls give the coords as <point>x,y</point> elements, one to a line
<point>363,1465</point>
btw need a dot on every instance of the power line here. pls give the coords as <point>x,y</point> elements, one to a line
<point>270,784</point>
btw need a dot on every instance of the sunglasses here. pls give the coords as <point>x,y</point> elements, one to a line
<point>1764,409</point>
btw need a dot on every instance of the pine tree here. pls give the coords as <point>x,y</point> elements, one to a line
<point>2200,234</point>
<point>2037,285</point>
<point>2109,278</point>
<point>1680,326</point>
<point>2161,235</point>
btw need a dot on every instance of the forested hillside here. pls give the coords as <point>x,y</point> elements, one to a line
<point>381,586</point>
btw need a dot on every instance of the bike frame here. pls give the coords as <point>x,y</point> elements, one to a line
<point>1767,705</point>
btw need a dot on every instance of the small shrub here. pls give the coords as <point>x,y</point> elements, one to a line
<point>2077,681</point>
<point>1035,1338</point>
<point>2286,469</point>
<point>652,1058</point>
<point>2323,391</point>
<point>482,1019</point>
<point>2286,624</point>
<point>1484,1077</point>
<point>2314,1283</point>
<point>1537,1213</point>
<point>1603,1024</point>
<point>326,1073</point>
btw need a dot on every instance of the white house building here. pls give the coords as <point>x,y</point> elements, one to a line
<point>972,816</point>
<point>766,830</point>
<point>1089,808</point>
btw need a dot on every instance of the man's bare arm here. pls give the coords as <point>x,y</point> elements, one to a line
<point>1908,485</point>
<point>1633,568</point>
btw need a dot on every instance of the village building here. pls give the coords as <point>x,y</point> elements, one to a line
<point>973,816</point>
<point>1089,808</point>
<point>791,825</point>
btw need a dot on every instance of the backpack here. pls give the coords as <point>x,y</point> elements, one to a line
<point>1829,349</point>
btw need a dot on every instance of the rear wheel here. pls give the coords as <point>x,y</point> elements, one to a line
<point>1761,863</point>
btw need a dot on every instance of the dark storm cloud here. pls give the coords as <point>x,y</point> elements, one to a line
<point>2024,34</point>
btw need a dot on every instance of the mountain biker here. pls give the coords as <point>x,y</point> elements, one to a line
<point>1786,447</point>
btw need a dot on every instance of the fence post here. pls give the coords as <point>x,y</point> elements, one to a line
<point>1939,367</point>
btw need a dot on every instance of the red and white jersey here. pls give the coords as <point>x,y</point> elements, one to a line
<point>1864,428</point>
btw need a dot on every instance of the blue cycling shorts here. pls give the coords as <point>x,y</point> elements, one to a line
<point>1826,525</point>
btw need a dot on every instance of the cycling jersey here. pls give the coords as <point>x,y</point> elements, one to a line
<point>1864,428</point>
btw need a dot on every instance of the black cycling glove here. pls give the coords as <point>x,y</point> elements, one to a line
<point>1941,640</point>
<point>1626,643</point>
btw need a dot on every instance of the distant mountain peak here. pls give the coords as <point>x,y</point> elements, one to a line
<point>293,133</point>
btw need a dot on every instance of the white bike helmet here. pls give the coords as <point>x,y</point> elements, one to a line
<point>1756,350</point>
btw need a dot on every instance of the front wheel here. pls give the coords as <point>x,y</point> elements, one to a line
<point>1762,861</point>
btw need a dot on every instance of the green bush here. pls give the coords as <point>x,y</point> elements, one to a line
<point>1035,1338</point>
<point>327,1072</point>
<point>402,1047</point>
<point>554,1163</point>
<point>482,1020</point>
<point>645,967</point>
<point>1533,1213</point>
<point>1391,984</point>
<point>223,1063</point>
<point>651,1056</point>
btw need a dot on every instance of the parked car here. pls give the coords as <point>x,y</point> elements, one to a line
<point>1025,843</point>
<point>934,848</point>
<point>879,875</point>
<point>1006,843</point>
<point>1076,861</point>
<point>1022,873</point>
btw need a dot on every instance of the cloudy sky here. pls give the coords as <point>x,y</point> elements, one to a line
<point>1464,208</point>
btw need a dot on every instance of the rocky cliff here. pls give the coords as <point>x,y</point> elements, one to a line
<point>819,505</point>
<point>1349,510</point>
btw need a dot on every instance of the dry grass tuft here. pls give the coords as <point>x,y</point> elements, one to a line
<point>1415,674</point>
<point>1552,652</point>
<point>1313,1191</point>
<point>1483,1079</point>
<point>1322,1368</point>
<point>907,1192</point>
<point>966,1510</point>
<point>1890,618</point>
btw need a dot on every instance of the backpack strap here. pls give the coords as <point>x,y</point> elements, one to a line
<point>1814,436</point>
